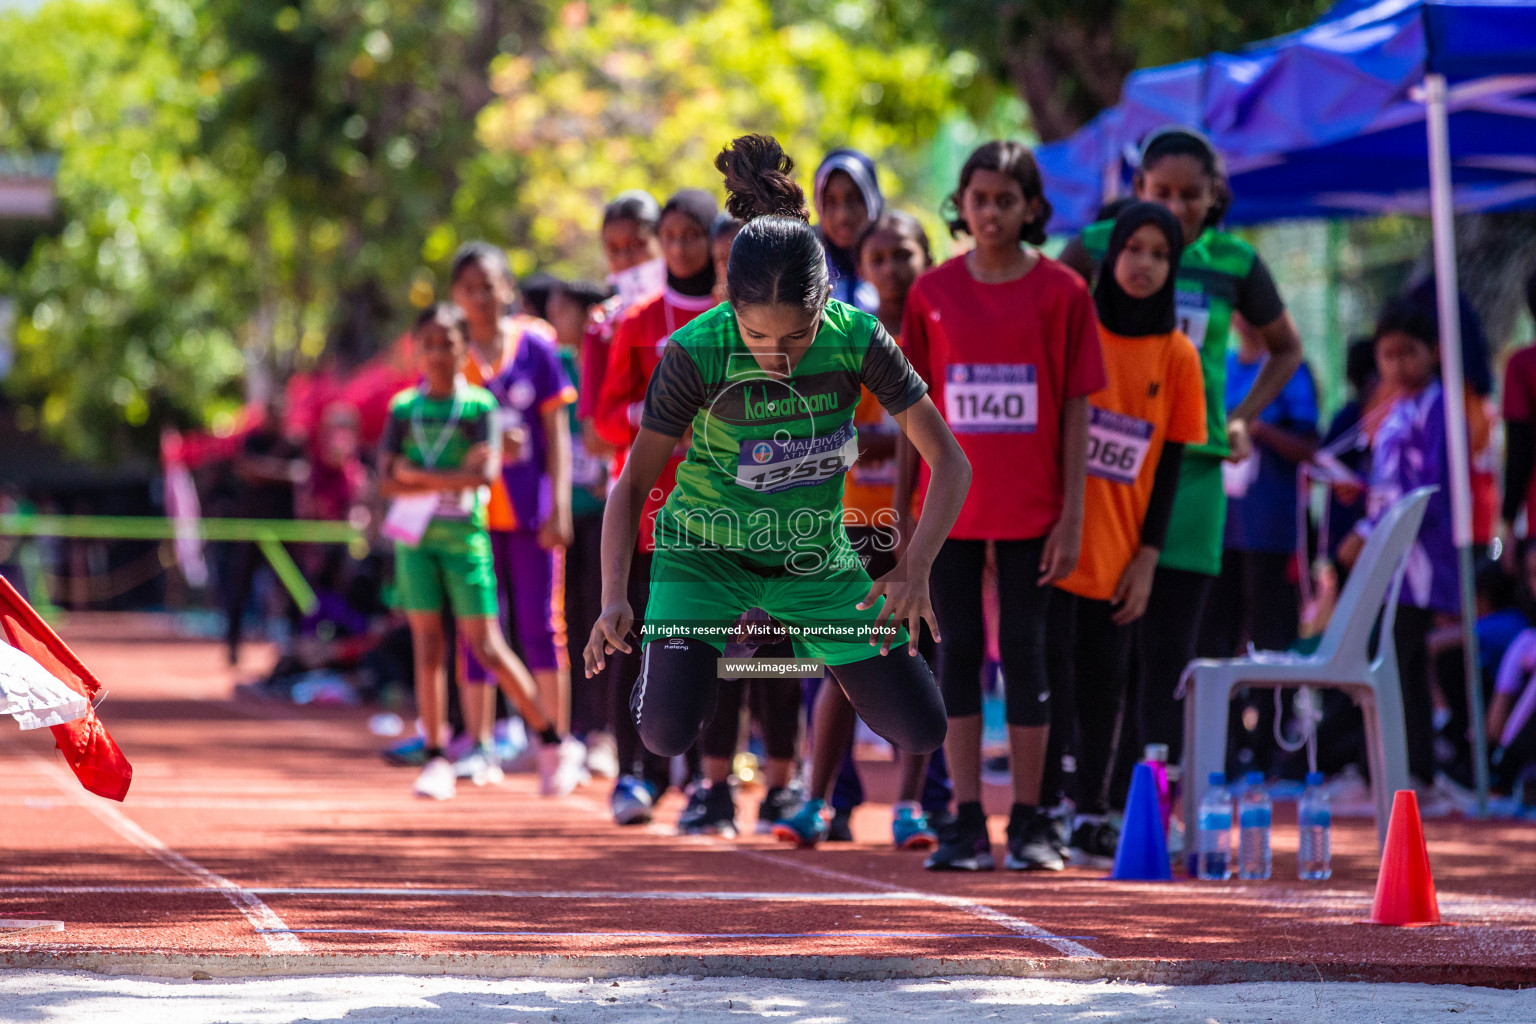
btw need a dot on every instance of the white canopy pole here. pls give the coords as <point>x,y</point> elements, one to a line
<point>1447,299</point>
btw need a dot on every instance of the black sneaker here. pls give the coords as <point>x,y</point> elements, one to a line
<point>711,811</point>
<point>719,812</point>
<point>780,803</point>
<point>840,828</point>
<point>1094,842</point>
<point>1032,843</point>
<point>962,847</point>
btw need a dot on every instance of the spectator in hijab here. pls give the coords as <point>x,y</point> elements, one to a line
<point>847,197</point>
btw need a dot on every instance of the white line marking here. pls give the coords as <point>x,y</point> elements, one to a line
<point>266,923</point>
<point>663,935</point>
<point>1014,924</point>
<point>1017,925</point>
<point>899,896</point>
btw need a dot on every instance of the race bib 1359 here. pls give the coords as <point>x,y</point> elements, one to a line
<point>770,466</point>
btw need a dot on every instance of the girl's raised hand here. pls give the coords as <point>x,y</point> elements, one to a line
<point>906,601</point>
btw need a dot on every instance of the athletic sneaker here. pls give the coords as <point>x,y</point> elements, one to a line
<point>631,802</point>
<point>1094,840</point>
<point>436,781</point>
<point>910,829</point>
<point>963,846</point>
<point>805,828</point>
<point>480,766</point>
<point>840,828</point>
<point>602,755</point>
<point>409,753</point>
<point>711,811</point>
<point>1032,843</point>
<point>780,803</point>
<point>562,767</point>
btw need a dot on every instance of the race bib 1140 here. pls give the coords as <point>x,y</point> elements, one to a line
<point>770,466</point>
<point>1117,445</point>
<point>991,398</point>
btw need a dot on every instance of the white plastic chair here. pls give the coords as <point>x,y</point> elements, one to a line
<point>1342,660</point>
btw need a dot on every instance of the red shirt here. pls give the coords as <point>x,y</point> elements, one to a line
<point>594,354</point>
<point>1001,360</point>
<point>638,341</point>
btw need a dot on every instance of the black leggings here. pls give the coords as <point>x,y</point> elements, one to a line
<point>895,694</point>
<point>1089,658</point>
<point>1411,632</point>
<point>590,701</point>
<point>624,670</point>
<point>1168,631</point>
<point>955,587</point>
<point>775,705</point>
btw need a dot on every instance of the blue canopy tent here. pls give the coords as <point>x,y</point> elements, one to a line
<point>1382,106</point>
<point>1330,120</point>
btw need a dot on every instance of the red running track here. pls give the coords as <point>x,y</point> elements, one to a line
<point>265,838</point>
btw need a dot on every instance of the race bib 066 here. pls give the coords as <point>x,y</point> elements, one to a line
<point>991,398</point>
<point>1117,445</point>
<point>1193,312</point>
<point>770,466</point>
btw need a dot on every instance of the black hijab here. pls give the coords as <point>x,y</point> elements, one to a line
<point>701,206</point>
<point>1119,312</point>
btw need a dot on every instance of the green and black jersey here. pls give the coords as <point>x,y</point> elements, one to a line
<point>764,475</point>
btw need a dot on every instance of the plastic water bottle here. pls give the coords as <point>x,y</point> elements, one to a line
<point>1213,858</point>
<point>1255,814</point>
<point>1315,820</point>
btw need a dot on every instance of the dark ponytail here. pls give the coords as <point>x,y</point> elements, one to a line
<point>776,258</point>
<point>1016,161</point>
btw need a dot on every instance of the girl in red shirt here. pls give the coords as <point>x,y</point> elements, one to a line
<point>1008,342</point>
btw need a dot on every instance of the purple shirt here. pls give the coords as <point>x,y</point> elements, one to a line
<point>533,382</point>
<point>1410,452</point>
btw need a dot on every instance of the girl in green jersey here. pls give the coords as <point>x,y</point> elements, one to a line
<point>768,383</point>
<point>1218,273</point>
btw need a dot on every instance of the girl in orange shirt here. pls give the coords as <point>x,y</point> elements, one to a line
<point>1138,426</point>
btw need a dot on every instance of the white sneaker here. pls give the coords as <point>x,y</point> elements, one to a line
<point>436,781</point>
<point>602,755</point>
<point>480,767</point>
<point>562,767</point>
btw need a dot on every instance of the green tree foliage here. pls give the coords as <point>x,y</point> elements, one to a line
<point>624,98</point>
<point>353,121</point>
<point>131,314</point>
<point>245,183</point>
<point>1068,58</point>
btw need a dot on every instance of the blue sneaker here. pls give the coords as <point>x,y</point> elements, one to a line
<point>805,828</point>
<point>411,753</point>
<point>909,827</point>
<point>631,802</point>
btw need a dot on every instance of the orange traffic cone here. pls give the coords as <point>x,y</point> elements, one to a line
<point>1405,889</point>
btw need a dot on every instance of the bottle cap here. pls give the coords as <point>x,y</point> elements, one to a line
<point>1157,752</point>
<point>1254,778</point>
<point>1314,778</point>
<point>1217,778</point>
